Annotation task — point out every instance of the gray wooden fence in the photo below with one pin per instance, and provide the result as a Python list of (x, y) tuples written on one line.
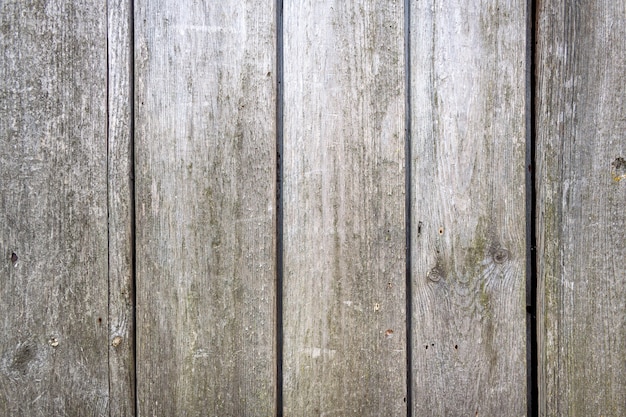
[(316, 208)]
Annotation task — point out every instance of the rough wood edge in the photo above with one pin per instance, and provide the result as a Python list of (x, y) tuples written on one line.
[(120, 206)]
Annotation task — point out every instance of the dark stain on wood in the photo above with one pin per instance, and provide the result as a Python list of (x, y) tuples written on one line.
[(24, 355)]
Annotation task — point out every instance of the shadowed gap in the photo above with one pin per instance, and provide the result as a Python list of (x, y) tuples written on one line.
[(279, 207), (531, 237)]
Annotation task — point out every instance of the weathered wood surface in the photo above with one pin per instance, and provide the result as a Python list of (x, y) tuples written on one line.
[(468, 216), (205, 207), (581, 183), (120, 200), (204, 103), (53, 209), (344, 232)]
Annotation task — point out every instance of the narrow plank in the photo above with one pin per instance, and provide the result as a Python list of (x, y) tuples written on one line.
[(581, 185), (120, 201), (53, 209), (205, 207), (344, 233), (468, 216)]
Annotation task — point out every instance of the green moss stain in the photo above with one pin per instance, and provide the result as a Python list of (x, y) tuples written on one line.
[(475, 255), (484, 298)]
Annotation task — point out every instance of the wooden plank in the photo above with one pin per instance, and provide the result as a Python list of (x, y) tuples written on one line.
[(53, 209), (344, 228), (120, 200), (581, 184), (205, 207), (468, 216)]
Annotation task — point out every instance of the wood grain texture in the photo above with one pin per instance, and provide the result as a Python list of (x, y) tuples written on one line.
[(53, 209), (468, 216), (205, 207), (120, 200), (581, 184), (344, 229)]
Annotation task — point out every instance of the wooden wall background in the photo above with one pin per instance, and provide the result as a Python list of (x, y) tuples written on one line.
[(312, 208)]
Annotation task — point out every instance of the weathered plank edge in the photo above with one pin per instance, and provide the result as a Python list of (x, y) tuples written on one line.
[(408, 175), (120, 207)]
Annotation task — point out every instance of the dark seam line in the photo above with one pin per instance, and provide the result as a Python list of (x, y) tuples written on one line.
[(407, 208), (531, 215), (279, 207), (133, 198)]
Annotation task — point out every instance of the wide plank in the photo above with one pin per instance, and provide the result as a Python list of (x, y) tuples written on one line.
[(343, 199), (53, 209), (205, 207), (581, 200), (468, 207)]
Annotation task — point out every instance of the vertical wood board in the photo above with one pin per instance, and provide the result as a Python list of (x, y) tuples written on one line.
[(581, 185), (120, 200), (344, 227), (205, 207), (468, 217), (53, 209)]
